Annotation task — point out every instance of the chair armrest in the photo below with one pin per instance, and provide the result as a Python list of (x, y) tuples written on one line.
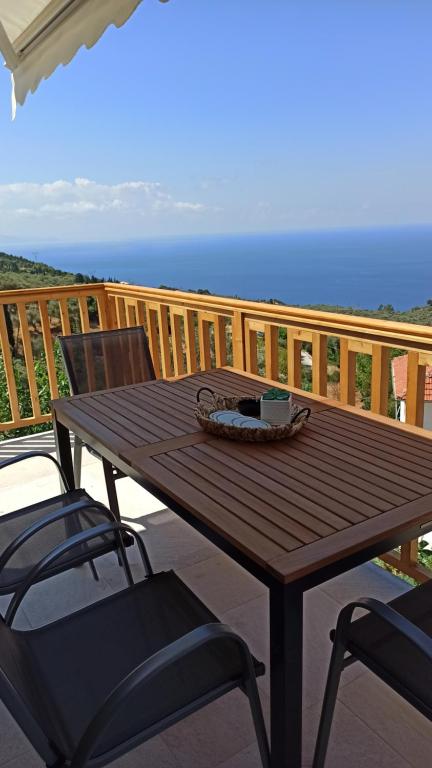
[(74, 541), (401, 624), (149, 669), (32, 455), (47, 519)]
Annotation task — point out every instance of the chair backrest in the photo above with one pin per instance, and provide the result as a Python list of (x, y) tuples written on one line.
[(106, 359)]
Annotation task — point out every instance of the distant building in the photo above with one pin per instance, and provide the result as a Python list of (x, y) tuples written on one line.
[(399, 380)]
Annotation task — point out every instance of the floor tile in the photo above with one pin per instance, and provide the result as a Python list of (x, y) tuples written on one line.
[(368, 580), (213, 734), (221, 583), (352, 743), (249, 757), (393, 719), (13, 743), (153, 754), (173, 543), (28, 759)]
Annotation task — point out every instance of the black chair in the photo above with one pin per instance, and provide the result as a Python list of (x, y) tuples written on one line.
[(105, 360), (29, 533), (90, 687), (394, 641)]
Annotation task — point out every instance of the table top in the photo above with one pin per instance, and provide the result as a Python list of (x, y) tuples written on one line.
[(343, 483)]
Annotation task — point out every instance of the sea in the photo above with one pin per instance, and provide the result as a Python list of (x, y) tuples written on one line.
[(357, 268)]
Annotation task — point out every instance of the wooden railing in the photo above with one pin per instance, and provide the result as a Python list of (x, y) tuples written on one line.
[(189, 332)]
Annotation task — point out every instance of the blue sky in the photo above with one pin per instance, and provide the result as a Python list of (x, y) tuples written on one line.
[(222, 116)]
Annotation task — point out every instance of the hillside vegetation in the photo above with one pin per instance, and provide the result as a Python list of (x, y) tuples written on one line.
[(18, 272)]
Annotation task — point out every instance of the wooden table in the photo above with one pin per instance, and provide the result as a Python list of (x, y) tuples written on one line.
[(293, 513)]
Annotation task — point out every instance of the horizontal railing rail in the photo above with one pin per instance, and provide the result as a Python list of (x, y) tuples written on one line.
[(343, 357)]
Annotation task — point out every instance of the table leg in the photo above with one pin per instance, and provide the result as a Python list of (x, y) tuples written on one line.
[(286, 675), (64, 452)]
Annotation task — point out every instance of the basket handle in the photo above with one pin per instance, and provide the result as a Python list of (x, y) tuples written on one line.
[(297, 416), (204, 389)]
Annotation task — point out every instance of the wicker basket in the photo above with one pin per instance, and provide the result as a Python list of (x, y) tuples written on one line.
[(246, 434)]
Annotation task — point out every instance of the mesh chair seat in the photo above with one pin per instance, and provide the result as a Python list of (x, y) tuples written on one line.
[(389, 654), (40, 544), (65, 671)]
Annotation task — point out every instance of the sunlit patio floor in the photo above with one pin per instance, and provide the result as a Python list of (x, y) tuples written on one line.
[(373, 727)]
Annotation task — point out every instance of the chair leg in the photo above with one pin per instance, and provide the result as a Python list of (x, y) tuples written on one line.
[(328, 707), (114, 507), (77, 461), (111, 490), (93, 570), (251, 689)]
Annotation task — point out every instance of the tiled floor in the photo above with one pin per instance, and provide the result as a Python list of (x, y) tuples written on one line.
[(373, 727)]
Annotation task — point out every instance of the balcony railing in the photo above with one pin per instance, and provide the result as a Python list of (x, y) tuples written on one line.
[(189, 332)]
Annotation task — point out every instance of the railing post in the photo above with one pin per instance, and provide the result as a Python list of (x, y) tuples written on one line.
[(271, 340), (380, 379), (238, 345), (190, 342), (83, 313), (409, 554), (204, 343), (319, 364), (416, 378), (293, 359), (103, 310), (220, 341), (64, 315), (152, 331), (29, 360), (347, 375), (8, 366), (177, 345), (164, 341), (251, 349), (120, 312), (48, 346)]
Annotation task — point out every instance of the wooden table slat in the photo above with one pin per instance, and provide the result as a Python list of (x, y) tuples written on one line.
[(131, 404), (321, 474), (85, 422), (123, 425), (340, 467), (384, 432), (376, 467), (319, 487), (400, 454), (267, 521), (298, 564), (239, 531), (296, 521), (287, 493)]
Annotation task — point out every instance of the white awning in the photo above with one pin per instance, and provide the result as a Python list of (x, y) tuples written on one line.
[(38, 35)]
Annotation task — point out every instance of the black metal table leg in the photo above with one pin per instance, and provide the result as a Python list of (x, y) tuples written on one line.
[(286, 675), (64, 452)]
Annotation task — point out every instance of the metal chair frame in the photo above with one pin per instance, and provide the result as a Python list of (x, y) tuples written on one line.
[(135, 681), (66, 513), (111, 473), (341, 645)]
